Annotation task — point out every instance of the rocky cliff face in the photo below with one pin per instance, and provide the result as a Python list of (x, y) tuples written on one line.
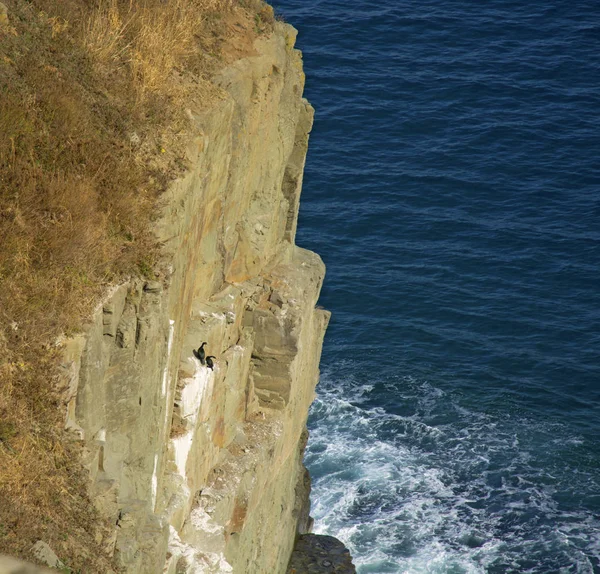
[(201, 470)]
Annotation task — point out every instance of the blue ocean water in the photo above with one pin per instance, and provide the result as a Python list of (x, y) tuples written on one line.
[(453, 189)]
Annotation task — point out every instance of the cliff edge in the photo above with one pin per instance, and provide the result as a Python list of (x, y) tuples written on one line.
[(156, 148), (201, 470)]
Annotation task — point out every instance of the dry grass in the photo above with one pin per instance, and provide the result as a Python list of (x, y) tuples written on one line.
[(77, 195), (151, 38), (104, 34), (164, 36)]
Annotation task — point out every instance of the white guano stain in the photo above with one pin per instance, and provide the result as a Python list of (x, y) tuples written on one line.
[(198, 562), (195, 391), (169, 346), (166, 380), (154, 481), (204, 522), (193, 395), (182, 446)]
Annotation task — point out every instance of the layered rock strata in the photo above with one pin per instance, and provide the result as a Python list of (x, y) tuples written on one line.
[(201, 470)]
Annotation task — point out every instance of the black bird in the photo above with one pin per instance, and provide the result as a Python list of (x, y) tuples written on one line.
[(209, 362), (200, 354)]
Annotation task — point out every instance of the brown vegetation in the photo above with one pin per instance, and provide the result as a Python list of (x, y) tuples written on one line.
[(91, 131)]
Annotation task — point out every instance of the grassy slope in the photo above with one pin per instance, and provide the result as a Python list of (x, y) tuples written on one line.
[(91, 131)]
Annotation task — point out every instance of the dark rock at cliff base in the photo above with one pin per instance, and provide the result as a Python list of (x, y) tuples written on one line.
[(317, 554)]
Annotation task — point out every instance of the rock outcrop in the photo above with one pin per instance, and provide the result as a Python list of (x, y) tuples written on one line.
[(318, 554), (201, 470)]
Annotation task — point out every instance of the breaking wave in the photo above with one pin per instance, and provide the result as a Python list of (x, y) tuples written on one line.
[(447, 489)]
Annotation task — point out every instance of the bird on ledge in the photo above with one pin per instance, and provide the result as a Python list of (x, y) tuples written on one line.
[(200, 354), (209, 362)]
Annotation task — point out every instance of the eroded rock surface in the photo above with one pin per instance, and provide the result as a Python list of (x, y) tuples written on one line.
[(201, 470)]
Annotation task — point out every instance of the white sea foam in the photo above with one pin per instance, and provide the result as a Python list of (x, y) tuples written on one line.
[(407, 495)]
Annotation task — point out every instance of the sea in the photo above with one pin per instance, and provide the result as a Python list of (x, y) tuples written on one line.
[(452, 187)]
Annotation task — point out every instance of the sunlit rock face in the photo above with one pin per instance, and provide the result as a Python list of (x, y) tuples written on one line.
[(199, 469)]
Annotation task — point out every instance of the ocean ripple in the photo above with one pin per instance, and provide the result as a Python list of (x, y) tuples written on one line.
[(452, 187)]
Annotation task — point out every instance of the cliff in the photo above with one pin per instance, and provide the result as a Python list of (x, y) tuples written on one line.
[(201, 470)]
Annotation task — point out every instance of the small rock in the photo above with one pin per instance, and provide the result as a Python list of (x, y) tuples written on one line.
[(320, 554), (134, 139), (42, 552)]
